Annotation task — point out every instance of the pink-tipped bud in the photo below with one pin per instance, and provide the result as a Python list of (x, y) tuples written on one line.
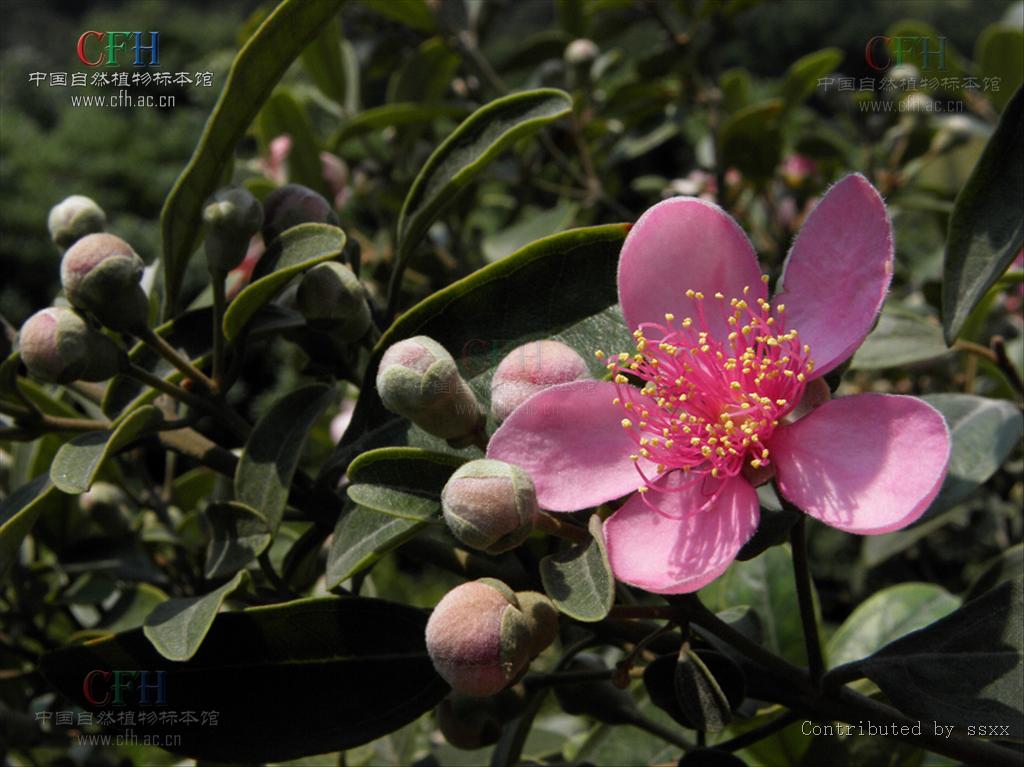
[(529, 369), (100, 274), (332, 299), (291, 205), (232, 216), (57, 345), (418, 379), (490, 505), (478, 639), (73, 218)]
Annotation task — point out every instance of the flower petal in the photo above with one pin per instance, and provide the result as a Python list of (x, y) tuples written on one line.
[(684, 244), (838, 271), (870, 463), (570, 440), (680, 550)]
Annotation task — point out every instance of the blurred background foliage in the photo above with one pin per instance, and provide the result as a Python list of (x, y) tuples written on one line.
[(718, 98)]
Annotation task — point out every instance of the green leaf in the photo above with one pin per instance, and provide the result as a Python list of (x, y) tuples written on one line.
[(900, 338), (802, 76), (1005, 567), (467, 151), (1000, 54), (132, 607), (965, 669), (579, 580), (11, 397), (532, 225), (18, 513), (271, 455), (986, 230), (78, 462), (282, 113), (395, 503), (701, 699), (289, 681), (888, 615), (426, 75), (296, 250), (388, 115), (412, 13), (397, 491), (325, 63), (408, 468), (461, 317), (984, 432), (766, 584), (238, 534), (257, 68), (736, 88), (361, 537), (751, 139), (177, 627)]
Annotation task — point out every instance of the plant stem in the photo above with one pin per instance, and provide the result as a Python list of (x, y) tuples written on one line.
[(758, 733), (225, 415), (802, 573), (219, 302), (537, 681), (169, 353), (644, 612), (268, 570), (554, 526)]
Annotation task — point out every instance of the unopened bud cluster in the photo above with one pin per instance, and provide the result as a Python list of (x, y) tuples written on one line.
[(482, 636), (73, 218), (232, 216), (291, 205), (332, 299), (58, 346), (418, 379)]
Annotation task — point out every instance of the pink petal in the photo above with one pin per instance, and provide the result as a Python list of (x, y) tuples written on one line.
[(570, 440), (838, 272), (870, 463), (684, 244), (686, 549)]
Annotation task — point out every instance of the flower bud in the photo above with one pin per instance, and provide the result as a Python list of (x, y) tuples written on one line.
[(469, 723), (291, 205), (418, 379), (332, 299), (73, 218), (58, 346), (101, 274), (232, 216), (581, 51), (542, 617), (489, 505), (529, 369), (478, 639)]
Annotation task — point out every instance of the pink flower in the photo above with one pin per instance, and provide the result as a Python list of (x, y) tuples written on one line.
[(724, 392)]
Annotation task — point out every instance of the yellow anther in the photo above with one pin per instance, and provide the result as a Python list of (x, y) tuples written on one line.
[(764, 278), (714, 472), (687, 321), (736, 385), (780, 308), (764, 453), (643, 489), (645, 452), (626, 423), (700, 296), (781, 402), (690, 294), (719, 296), (669, 317), (599, 354), (616, 401), (621, 379), (756, 463)]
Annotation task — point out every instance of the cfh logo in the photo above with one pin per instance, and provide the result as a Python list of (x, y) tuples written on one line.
[(927, 53), (119, 688), (96, 49)]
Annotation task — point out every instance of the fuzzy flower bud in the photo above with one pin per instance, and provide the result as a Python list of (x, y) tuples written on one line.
[(100, 274), (73, 218), (331, 298), (232, 217), (478, 639), (489, 505), (291, 205), (418, 379), (529, 369), (58, 346), (469, 722)]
